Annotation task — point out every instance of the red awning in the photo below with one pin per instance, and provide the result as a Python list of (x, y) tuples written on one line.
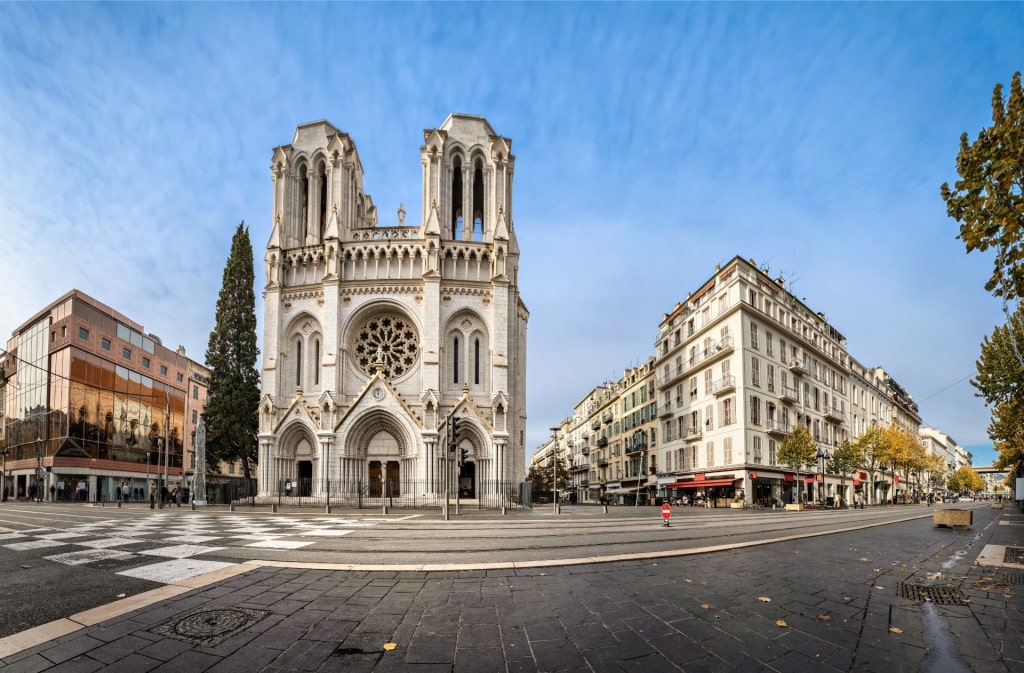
[(702, 484)]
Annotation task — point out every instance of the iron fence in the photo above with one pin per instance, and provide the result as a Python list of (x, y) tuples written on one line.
[(379, 493)]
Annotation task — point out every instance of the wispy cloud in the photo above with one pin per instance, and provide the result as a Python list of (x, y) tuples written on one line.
[(653, 141)]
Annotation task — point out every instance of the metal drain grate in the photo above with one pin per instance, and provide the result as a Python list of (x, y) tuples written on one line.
[(935, 594), (209, 627), (1013, 578), (1014, 555)]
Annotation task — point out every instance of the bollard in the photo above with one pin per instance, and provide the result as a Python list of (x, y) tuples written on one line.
[(385, 509), (231, 507), (273, 508), (193, 506), (605, 508), (119, 504), (503, 510), (328, 509)]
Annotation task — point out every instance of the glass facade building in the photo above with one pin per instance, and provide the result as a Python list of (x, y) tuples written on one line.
[(94, 408)]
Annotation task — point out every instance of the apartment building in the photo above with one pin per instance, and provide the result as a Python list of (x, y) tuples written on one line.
[(740, 363), (95, 408)]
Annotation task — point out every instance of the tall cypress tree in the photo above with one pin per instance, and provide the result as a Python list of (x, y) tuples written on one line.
[(232, 411)]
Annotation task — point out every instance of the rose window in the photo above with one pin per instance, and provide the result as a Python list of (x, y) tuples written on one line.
[(390, 340)]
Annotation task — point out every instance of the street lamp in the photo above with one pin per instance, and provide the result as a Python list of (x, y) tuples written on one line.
[(554, 479), (823, 455), (39, 468)]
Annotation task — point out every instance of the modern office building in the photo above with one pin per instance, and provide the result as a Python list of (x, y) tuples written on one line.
[(375, 337), (94, 407)]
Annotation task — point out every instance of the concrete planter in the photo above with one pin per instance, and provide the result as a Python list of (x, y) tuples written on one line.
[(738, 505), (997, 505), (953, 518), (794, 507)]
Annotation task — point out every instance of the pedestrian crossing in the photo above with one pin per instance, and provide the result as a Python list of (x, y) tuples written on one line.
[(166, 548)]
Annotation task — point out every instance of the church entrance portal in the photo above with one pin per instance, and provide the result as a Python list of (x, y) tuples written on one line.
[(467, 481), (305, 478), (385, 479)]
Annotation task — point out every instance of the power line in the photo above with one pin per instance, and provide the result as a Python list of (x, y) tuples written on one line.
[(957, 382)]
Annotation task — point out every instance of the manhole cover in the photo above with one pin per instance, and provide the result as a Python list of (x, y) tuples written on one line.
[(1014, 555), (209, 626), (936, 594)]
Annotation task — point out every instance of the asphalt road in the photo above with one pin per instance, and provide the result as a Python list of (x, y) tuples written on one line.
[(876, 590)]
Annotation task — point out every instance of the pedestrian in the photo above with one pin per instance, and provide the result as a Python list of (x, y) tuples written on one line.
[(53, 490), (177, 495)]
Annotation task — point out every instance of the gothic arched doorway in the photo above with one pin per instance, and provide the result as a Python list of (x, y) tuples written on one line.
[(385, 479), (467, 480)]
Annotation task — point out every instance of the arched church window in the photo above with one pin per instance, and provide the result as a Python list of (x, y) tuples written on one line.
[(322, 175), (476, 361), (389, 340), (298, 362), (455, 361), (457, 196), (304, 218), (316, 362)]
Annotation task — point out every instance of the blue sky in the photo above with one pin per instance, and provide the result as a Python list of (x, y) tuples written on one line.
[(652, 142)]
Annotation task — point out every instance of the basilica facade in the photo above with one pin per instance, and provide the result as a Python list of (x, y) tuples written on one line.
[(376, 338)]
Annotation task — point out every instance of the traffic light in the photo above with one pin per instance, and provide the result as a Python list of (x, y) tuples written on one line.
[(463, 456)]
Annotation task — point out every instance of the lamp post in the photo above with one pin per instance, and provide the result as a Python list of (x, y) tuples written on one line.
[(39, 469), (554, 477), (3, 455), (823, 455)]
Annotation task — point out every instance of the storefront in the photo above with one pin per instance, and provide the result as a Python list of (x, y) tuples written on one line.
[(718, 491)]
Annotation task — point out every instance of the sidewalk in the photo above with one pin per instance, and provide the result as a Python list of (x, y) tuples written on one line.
[(899, 597)]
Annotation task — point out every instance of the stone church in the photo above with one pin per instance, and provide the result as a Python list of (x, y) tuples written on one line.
[(377, 337)]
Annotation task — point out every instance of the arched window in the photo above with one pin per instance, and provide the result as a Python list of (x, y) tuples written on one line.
[(304, 216), (476, 361), (457, 219), (298, 362), (316, 362), (455, 362), (322, 176)]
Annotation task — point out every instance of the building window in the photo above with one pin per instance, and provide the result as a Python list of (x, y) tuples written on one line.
[(195, 416), (755, 372), (195, 392), (754, 342), (476, 361), (105, 344), (710, 454), (163, 370), (64, 331), (455, 363), (727, 446), (757, 449), (145, 362), (180, 377), (126, 354), (771, 451), (755, 410), (83, 334)]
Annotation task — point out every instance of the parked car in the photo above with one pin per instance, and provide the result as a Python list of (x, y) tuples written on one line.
[(966, 498)]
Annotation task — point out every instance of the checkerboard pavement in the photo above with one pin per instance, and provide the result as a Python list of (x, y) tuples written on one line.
[(165, 548)]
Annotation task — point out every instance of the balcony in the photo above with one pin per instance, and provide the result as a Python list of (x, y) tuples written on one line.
[(719, 349), (724, 385), (596, 425), (606, 418), (796, 366), (834, 413), (666, 408), (585, 450), (789, 395), (580, 467), (602, 442), (778, 428), (692, 433), (601, 462), (639, 448), (584, 482)]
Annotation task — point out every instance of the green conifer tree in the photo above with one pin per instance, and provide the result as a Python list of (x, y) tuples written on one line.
[(232, 411)]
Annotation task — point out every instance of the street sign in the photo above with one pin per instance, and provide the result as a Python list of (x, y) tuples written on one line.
[(666, 511)]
